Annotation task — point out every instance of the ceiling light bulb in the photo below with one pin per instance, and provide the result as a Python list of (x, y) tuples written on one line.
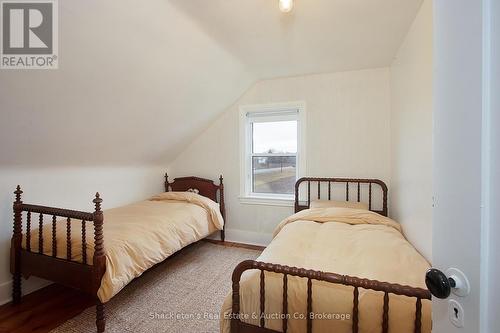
[(286, 5)]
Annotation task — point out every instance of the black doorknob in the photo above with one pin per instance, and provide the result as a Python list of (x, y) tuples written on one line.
[(438, 283)]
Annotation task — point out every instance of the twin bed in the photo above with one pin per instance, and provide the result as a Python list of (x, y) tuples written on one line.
[(291, 287), (271, 294), (126, 241)]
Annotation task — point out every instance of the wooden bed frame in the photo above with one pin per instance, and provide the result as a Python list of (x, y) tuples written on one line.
[(238, 326), (79, 275)]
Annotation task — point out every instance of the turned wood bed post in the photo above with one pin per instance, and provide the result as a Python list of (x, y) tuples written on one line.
[(166, 182), (99, 260), (16, 248), (222, 208), (385, 190), (296, 206), (235, 308)]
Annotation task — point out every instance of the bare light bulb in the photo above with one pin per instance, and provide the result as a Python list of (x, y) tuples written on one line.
[(286, 5)]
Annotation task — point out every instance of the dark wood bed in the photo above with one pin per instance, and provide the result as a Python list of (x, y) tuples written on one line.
[(79, 275), (303, 202)]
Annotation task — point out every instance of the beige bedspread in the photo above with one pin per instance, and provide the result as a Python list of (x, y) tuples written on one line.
[(345, 241), (139, 235)]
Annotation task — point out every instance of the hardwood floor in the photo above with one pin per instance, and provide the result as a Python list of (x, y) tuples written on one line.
[(49, 307), (43, 310)]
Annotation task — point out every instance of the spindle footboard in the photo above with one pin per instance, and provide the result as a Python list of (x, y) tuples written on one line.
[(26, 261), (238, 326)]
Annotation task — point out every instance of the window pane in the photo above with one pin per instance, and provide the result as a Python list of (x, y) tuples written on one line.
[(275, 137), (274, 174)]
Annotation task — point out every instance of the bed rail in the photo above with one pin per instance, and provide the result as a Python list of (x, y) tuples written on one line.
[(237, 326), (29, 261)]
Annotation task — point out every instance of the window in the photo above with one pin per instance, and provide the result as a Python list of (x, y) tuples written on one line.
[(271, 151)]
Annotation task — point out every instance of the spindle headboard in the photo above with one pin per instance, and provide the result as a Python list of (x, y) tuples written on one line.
[(371, 184)]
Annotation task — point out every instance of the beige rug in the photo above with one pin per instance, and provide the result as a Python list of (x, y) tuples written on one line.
[(192, 284)]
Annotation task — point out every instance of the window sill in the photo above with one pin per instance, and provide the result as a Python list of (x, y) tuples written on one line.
[(266, 201)]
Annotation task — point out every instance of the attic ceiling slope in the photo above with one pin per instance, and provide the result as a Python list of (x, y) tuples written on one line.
[(317, 36), (134, 83)]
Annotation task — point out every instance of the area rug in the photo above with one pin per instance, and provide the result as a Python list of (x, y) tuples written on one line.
[(183, 294)]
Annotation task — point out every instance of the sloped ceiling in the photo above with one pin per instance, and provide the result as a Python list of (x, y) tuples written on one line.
[(138, 80), (317, 36)]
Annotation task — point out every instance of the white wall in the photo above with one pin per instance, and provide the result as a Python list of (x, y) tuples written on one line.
[(348, 134), (72, 188), (493, 288), (411, 130), (457, 155)]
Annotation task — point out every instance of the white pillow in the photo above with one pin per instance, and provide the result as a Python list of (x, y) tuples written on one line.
[(340, 204)]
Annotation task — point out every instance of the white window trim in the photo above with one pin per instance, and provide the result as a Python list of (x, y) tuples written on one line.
[(246, 197)]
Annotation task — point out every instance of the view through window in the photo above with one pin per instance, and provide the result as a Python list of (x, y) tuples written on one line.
[(273, 156)]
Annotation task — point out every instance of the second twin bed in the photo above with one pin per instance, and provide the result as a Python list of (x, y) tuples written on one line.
[(322, 270)]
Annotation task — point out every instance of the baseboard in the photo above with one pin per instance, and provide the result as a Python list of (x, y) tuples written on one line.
[(28, 286), (5, 292), (245, 237), (248, 237)]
